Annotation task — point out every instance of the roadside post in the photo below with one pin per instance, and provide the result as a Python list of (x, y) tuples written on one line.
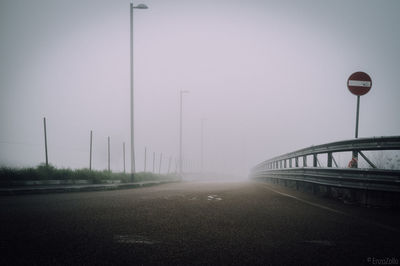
[(359, 83)]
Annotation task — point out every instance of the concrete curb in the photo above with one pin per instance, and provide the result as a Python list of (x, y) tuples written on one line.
[(79, 188)]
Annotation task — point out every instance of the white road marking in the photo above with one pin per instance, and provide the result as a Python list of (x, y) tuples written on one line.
[(305, 201), (334, 210), (213, 197), (133, 239)]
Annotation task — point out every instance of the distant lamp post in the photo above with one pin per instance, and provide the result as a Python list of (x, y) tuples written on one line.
[(140, 6), (202, 145), (180, 132)]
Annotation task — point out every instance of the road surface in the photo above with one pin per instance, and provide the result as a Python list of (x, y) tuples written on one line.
[(194, 223)]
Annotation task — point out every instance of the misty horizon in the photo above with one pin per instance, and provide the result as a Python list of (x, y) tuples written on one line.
[(267, 78)]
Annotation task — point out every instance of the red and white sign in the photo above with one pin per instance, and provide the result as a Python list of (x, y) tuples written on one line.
[(359, 83)]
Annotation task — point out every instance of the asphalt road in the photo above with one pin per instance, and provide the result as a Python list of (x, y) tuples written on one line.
[(194, 223)]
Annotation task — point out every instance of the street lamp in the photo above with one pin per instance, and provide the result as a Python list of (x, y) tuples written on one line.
[(180, 132), (140, 6), (202, 145)]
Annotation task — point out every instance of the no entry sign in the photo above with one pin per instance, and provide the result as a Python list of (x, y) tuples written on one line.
[(359, 83)]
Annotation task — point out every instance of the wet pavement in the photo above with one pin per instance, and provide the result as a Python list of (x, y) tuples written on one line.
[(194, 223)]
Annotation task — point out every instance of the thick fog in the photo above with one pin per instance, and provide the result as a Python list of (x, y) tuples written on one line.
[(265, 77)]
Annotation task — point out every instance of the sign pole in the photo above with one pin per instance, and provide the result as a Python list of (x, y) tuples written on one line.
[(359, 83), (355, 153), (358, 114)]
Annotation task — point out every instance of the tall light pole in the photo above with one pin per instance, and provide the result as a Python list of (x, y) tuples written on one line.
[(123, 155), (140, 6), (202, 145), (180, 131)]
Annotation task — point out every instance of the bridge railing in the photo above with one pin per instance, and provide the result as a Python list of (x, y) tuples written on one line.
[(299, 158), (366, 185)]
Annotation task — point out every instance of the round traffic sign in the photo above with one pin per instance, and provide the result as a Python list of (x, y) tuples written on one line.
[(359, 83)]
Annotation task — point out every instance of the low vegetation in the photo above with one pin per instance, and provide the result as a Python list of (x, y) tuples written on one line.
[(43, 172)]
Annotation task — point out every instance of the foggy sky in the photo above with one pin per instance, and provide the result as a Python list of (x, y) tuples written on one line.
[(268, 77)]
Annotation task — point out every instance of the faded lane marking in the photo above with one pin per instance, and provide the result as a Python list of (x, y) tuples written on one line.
[(306, 201), (214, 197), (333, 210), (133, 239)]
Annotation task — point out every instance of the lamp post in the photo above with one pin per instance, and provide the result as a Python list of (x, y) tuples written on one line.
[(140, 6), (202, 145), (180, 132)]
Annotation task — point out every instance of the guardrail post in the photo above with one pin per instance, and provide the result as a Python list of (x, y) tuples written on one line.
[(290, 162), (314, 188), (355, 159), (305, 161), (296, 161), (280, 164), (329, 163), (284, 163), (315, 160)]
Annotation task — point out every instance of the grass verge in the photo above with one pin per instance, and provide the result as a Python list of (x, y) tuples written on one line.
[(9, 175)]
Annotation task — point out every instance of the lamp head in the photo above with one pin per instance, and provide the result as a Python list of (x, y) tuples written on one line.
[(141, 6)]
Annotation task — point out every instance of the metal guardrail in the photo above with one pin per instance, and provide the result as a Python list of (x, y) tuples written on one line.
[(282, 167), (370, 179), (363, 144)]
